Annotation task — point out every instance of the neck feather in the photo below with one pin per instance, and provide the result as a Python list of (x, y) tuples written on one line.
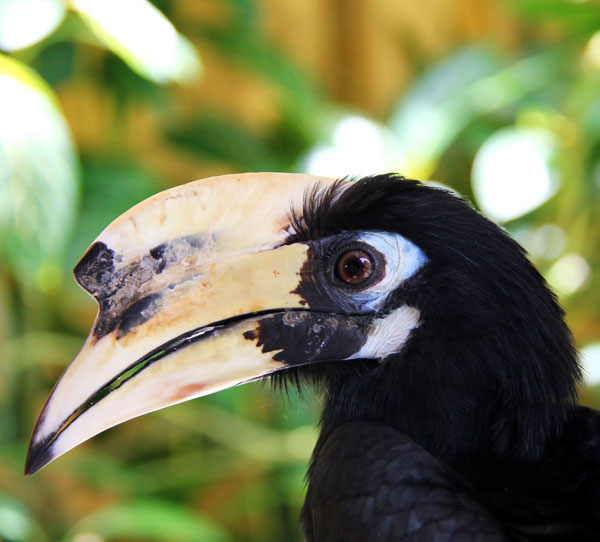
[(500, 384)]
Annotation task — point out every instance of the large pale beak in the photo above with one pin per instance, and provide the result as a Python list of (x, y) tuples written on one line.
[(186, 282)]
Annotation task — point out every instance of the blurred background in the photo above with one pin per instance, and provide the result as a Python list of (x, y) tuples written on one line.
[(103, 103)]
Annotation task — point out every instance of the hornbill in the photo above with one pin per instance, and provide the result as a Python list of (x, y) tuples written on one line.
[(449, 375)]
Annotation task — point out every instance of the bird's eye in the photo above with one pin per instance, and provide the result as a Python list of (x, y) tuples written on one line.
[(354, 267)]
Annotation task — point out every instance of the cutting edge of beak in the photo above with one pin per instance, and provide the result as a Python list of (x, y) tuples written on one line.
[(202, 362), (184, 289)]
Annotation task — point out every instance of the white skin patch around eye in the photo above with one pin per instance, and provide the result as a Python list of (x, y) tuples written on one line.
[(403, 259), (389, 334)]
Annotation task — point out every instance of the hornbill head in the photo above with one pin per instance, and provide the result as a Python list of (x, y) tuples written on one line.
[(414, 309)]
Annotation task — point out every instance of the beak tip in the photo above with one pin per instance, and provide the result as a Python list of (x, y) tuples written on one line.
[(38, 456)]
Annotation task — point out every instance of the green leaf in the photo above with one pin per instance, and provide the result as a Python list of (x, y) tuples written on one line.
[(38, 176), (149, 520), (561, 11), (143, 37), (39, 348), (16, 521), (129, 87), (436, 108), (468, 85), (25, 22), (220, 138), (254, 440), (55, 62), (244, 15), (302, 100)]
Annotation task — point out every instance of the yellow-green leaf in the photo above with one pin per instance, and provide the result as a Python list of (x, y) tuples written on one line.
[(143, 37)]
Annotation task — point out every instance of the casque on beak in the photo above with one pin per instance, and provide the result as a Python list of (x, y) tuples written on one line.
[(184, 281)]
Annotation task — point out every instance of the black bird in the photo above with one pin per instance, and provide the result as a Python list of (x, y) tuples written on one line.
[(450, 376)]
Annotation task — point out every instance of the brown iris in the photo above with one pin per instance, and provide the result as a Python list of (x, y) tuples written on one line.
[(354, 267)]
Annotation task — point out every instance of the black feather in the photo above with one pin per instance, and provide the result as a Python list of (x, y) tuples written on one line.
[(483, 393), (371, 482), (492, 367)]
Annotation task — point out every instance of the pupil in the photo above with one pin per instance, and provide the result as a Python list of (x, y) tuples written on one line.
[(354, 267)]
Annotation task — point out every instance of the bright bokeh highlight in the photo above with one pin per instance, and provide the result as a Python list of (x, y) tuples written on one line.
[(590, 361), (546, 242), (513, 174), (591, 54), (143, 37), (358, 146), (19, 29), (38, 174), (569, 274)]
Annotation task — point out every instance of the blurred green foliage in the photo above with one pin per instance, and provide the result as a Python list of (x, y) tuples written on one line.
[(232, 466)]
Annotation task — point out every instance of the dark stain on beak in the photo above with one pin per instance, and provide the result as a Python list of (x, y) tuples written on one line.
[(169, 253), (136, 314), (127, 294), (95, 268), (305, 336)]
